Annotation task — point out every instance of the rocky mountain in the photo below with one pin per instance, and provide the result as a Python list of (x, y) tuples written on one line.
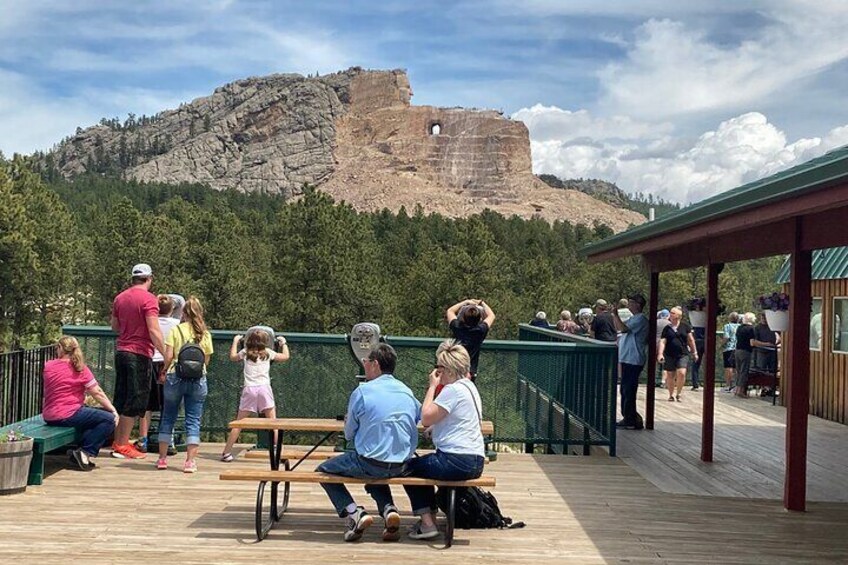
[(353, 134)]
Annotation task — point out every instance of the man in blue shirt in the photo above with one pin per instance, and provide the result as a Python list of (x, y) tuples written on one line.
[(631, 356), (382, 421)]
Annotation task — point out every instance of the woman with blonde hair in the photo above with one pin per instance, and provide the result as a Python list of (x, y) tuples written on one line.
[(66, 382), (180, 388), (454, 418)]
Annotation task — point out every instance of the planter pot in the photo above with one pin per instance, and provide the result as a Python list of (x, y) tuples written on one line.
[(15, 457), (698, 318), (778, 320)]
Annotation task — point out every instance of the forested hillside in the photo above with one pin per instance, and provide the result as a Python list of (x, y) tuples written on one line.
[(313, 265)]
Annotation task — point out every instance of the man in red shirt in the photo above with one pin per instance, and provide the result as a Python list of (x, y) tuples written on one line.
[(135, 316)]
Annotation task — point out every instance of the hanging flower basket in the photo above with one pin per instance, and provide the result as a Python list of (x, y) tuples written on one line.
[(698, 318), (778, 320), (15, 457)]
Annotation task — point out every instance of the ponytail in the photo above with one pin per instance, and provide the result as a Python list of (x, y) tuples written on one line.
[(70, 347)]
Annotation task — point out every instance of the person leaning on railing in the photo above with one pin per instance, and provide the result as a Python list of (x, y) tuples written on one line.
[(178, 390), (455, 418), (66, 382)]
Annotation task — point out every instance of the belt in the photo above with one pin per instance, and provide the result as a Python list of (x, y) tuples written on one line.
[(382, 464)]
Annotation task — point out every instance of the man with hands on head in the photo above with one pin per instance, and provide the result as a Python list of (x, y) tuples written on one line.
[(470, 321)]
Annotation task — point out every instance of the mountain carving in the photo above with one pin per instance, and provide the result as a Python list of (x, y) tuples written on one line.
[(354, 134)]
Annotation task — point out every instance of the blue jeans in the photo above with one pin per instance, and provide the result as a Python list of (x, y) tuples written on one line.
[(351, 464), (441, 466), (96, 426), (178, 390), (629, 386)]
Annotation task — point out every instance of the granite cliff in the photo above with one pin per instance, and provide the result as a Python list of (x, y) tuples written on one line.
[(353, 134)]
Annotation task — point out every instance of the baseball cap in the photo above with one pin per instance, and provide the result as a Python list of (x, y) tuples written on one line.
[(600, 303), (142, 270), (664, 313), (637, 297)]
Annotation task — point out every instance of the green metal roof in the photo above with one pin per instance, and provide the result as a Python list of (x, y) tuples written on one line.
[(831, 263), (803, 178)]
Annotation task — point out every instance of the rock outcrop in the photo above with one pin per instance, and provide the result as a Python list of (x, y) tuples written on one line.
[(354, 134)]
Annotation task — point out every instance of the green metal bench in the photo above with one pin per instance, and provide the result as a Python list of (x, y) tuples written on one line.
[(45, 439)]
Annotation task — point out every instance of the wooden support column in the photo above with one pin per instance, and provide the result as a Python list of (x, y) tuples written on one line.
[(653, 306), (798, 356), (708, 364)]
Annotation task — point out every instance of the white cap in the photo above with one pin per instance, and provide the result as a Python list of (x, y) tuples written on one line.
[(142, 270)]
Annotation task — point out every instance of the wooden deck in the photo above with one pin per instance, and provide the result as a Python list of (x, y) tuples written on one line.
[(577, 509), (749, 450)]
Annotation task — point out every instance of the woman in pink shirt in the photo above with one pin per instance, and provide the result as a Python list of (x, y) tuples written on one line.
[(66, 382)]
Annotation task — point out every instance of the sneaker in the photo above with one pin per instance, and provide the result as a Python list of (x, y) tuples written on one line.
[(392, 518), (696, 388), (227, 457), (418, 531), (678, 398), (162, 464), (172, 449), (141, 444), (357, 523), (190, 466), (626, 425), (126, 452)]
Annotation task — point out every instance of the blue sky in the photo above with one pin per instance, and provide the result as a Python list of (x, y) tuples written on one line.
[(678, 98)]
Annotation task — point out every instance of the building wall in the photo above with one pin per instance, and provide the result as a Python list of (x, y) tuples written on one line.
[(828, 370)]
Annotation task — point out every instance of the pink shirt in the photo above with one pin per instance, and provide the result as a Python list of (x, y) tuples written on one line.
[(64, 389), (132, 308)]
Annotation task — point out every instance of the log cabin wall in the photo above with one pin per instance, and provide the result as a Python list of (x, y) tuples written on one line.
[(828, 370)]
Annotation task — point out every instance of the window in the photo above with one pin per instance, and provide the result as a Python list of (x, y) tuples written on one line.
[(840, 324), (435, 129), (816, 325)]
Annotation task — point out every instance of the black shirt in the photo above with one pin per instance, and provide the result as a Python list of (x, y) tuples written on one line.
[(676, 342), (604, 327), (470, 338), (763, 333), (744, 335)]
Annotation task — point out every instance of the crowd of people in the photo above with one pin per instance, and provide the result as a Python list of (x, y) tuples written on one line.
[(161, 365), (679, 346)]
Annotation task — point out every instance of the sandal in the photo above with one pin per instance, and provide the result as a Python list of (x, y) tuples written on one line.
[(227, 457), (671, 399)]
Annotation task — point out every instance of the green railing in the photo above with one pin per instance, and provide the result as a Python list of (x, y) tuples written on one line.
[(572, 396), (319, 378)]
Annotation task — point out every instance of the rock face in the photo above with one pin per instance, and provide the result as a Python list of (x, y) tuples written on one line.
[(354, 134)]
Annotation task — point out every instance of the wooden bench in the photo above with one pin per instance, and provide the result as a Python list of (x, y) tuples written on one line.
[(45, 439), (288, 477)]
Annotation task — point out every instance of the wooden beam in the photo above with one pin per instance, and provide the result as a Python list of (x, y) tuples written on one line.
[(797, 407), (708, 415), (755, 217), (653, 306)]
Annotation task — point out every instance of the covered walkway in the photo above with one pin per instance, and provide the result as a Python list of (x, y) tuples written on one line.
[(749, 455)]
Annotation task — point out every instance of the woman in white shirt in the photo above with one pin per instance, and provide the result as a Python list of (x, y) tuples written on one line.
[(454, 419)]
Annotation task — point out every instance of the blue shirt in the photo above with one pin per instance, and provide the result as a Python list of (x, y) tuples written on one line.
[(382, 420), (631, 349), (730, 335)]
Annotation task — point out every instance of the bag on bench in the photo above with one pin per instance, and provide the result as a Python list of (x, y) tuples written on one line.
[(476, 508)]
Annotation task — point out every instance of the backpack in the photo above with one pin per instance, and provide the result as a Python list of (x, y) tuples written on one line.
[(191, 360), (476, 508)]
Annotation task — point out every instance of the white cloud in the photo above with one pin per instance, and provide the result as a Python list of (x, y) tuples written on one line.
[(672, 69), (31, 119), (640, 158)]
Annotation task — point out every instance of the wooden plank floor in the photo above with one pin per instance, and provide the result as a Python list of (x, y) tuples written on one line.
[(749, 449), (577, 510)]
